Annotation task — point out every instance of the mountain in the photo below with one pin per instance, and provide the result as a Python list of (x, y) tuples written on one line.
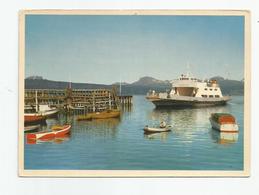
[(142, 86), (230, 87), (49, 84), (35, 77), (120, 83), (147, 81)]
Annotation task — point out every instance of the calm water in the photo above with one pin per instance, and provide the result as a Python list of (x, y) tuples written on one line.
[(121, 143)]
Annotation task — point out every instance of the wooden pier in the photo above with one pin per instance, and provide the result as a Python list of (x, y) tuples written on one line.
[(125, 99), (86, 100)]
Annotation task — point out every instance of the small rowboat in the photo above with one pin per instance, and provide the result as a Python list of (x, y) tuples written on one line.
[(57, 131), (157, 129), (31, 128), (223, 122)]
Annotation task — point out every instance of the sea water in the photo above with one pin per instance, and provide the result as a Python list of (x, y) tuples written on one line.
[(120, 144)]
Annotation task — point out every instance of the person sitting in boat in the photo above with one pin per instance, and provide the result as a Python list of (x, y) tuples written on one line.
[(162, 124)]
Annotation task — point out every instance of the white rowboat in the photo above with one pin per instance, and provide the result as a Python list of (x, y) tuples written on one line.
[(157, 129)]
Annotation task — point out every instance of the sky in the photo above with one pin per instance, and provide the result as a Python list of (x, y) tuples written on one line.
[(108, 49)]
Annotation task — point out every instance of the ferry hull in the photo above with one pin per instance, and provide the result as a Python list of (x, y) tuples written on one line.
[(188, 103)]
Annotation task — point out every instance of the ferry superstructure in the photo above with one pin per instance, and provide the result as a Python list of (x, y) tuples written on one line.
[(188, 91)]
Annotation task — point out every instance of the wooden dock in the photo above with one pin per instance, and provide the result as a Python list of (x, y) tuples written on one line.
[(88, 100), (125, 99)]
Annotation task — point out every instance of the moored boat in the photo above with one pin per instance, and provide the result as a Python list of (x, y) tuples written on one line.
[(47, 111), (223, 122), (33, 118), (113, 113), (57, 131), (38, 114)]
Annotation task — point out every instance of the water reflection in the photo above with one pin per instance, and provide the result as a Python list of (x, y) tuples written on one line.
[(119, 144), (186, 122), (98, 128), (224, 137), (126, 108), (185, 117), (58, 140), (161, 136)]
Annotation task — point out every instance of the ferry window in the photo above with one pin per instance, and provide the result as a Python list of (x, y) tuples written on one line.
[(204, 96), (211, 96), (215, 89), (206, 89), (210, 89), (217, 96)]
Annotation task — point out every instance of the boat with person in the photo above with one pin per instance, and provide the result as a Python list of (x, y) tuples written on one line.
[(55, 132), (224, 122), (163, 127), (188, 91)]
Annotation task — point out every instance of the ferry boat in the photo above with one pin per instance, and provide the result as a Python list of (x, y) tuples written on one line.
[(188, 91)]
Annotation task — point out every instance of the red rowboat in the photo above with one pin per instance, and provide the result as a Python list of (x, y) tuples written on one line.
[(57, 131), (56, 140)]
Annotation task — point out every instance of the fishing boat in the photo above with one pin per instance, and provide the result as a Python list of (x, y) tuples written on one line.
[(223, 122), (32, 114), (33, 118), (38, 112), (56, 131), (31, 128), (113, 113), (188, 91), (47, 111)]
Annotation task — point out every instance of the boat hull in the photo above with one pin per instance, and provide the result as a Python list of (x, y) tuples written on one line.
[(46, 135), (100, 115), (156, 130), (226, 127), (33, 118), (189, 102)]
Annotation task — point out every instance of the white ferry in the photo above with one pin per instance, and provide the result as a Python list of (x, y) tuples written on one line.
[(189, 92)]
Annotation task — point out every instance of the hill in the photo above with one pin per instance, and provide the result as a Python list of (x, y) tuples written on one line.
[(142, 86)]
